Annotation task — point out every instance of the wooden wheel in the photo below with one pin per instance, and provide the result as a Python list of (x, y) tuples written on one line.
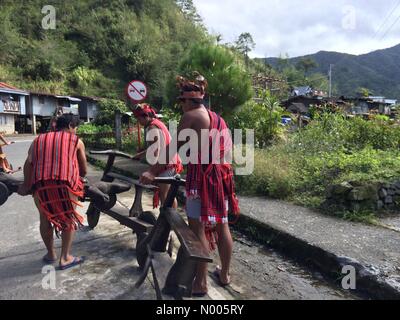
[(93, 216), (148, 217), (141, 249), (4, 193)]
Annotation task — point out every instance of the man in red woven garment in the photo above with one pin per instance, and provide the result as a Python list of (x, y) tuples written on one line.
[(209, 182), (53, 172)]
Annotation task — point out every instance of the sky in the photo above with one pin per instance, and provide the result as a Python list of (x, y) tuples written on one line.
[(297, 27)]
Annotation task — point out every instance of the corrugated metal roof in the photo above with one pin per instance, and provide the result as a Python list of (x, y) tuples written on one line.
[(74, 99), (69, 98), (5, 87)]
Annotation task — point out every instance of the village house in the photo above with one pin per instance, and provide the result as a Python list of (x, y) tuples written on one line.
[(12, 109), (307, 91), (32, 112), (43, 107), (302, 92), (302, 104), (88, 108), (371, 104)]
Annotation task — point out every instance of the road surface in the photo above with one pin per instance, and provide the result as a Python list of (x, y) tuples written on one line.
[(110, 271)]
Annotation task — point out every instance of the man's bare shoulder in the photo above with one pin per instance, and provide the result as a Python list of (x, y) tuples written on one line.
[(81, 144), (198, 118)]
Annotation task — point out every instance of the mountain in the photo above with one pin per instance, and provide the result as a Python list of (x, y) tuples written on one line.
[(378, 71), (96, 47)]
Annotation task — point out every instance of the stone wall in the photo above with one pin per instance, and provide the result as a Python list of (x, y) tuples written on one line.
[(353, 196)]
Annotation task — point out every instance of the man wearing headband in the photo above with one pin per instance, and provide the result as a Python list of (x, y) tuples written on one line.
[(147, 118), (209, 185)]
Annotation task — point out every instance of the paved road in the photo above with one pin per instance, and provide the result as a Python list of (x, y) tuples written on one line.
[(111, 270)]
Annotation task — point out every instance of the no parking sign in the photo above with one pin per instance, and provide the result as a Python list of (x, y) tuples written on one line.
[(136, 91)]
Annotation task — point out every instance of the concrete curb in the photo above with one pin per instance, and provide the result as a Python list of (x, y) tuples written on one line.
[(368, 282)]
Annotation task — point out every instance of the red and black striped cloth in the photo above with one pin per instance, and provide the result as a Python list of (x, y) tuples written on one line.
[(213, 181), (54, 158), (56, 180), (175, 163), (57, 202)]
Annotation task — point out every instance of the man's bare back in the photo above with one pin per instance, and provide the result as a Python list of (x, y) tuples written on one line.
[(196, 119)]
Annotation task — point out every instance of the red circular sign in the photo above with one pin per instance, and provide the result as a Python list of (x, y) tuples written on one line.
[(136, 91)]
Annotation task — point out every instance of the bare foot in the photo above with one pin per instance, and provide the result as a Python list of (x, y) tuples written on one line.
[(50, 257), (64, 261), (199, 289)]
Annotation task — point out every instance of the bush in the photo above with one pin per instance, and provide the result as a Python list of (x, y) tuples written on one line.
[(170, 115), (107, 108), (91, 128), (103, 137), (331, 150), (264, 117)]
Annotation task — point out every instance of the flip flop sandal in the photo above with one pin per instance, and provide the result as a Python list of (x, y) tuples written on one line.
[(199, 294), (217, 275), (77, 261)]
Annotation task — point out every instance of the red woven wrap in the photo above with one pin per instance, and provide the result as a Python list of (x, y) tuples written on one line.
[(213, 183), (56, 204), (174, 164)]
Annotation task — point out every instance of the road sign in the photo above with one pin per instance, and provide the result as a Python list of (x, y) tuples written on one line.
[(136, 91)]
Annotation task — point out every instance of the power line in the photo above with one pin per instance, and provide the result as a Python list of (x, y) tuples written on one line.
[(316, 78), (387, 31), (386, 19)]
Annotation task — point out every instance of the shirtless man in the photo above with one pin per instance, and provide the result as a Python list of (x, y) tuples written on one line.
[(209, 186)]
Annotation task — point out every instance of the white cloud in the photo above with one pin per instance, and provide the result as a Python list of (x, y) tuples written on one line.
[(303, 27)]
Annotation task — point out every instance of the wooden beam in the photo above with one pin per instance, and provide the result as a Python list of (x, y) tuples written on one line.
[(190, 243)]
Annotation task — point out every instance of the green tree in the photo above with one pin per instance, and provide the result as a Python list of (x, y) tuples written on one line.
[(189, 10), (317, 81), (283, 62), (306, 64), (229, 83), (364, 92), (245, 44)]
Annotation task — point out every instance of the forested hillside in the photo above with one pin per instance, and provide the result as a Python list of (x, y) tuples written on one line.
[(378, 71), (97, 46)]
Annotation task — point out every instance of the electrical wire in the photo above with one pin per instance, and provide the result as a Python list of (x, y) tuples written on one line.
[(387, 18)]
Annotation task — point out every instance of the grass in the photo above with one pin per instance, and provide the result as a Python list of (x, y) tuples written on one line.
[(329, 151)]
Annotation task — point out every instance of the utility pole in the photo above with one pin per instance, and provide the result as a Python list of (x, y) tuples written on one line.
[(330, 80), (118, 130)]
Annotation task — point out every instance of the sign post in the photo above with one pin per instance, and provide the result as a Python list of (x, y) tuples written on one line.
[(118, 130), (137, 92)]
